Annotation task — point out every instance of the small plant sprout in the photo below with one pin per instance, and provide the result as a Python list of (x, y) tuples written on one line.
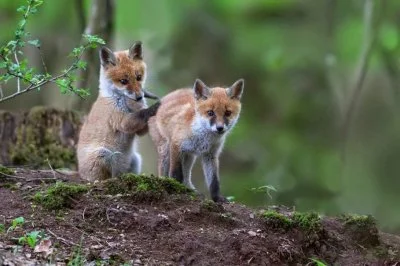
[(317, 262), (2, 228), (19, 221), (32, 238), (264, 190), (231, 198)]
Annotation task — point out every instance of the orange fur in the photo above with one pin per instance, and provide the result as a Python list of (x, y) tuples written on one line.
[(106, 141), (183, 127)]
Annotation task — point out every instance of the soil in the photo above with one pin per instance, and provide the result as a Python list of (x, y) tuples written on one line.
[(172, 229)]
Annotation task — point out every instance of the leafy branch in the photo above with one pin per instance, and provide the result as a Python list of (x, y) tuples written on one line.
[(13, 67)]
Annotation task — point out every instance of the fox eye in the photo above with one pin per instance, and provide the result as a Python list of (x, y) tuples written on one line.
[(139, 77), (210, 113), (123, 81), (228, 113)]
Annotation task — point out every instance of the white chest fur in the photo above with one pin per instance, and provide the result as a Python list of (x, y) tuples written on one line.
[(202, 140)]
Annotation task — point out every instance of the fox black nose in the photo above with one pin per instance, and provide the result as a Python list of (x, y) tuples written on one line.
[(220, 129), (139, 98)]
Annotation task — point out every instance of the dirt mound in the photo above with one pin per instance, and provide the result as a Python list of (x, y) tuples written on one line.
[(140, 220)]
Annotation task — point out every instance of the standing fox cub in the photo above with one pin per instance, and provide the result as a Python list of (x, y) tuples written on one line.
[(106, 145), (193, 123)]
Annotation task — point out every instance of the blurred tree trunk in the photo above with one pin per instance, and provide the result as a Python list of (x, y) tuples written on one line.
[(80, 10), (38, 137), (100, 23), (371, 29)]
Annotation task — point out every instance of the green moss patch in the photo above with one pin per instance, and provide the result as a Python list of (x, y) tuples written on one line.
[(44, 134), (60, 195), (145, 187), (363, 228), (277, 220), (308, 221), (6, 171)]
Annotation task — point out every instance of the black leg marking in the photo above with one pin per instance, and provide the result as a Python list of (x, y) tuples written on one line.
[(177, 173), (215, 190)]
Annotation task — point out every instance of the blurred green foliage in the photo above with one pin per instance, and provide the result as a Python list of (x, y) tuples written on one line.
[(298, 59)]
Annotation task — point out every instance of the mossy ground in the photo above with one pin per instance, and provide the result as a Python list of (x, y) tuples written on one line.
[(38, 139), (361, 221), (276, 219), (6, 170), (60, 195), (105, 227), (308, 221), (146, 186), (362, 227)]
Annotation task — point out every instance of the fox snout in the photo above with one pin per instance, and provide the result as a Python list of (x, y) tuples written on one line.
[(136, 95), (220, 129), (218, 123)]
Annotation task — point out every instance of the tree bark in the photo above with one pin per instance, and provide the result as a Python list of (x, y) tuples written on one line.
[(38, 137), (100, 23)]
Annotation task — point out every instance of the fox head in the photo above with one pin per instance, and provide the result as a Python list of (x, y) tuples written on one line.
[(218, 109), (123, 72)]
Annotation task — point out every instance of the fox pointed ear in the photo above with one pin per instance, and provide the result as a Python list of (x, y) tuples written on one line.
[(136, 51), (107, 57), (201, 91), (236, 90)]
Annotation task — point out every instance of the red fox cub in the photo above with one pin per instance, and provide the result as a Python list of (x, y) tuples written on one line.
[(106, 146), (194, 122)]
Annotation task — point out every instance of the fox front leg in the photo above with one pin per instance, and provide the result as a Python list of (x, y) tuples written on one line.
[(175, 163), (210, 165), (137, 122)]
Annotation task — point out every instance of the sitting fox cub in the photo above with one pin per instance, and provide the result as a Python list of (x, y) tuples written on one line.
[(193, 123), (106, 143)]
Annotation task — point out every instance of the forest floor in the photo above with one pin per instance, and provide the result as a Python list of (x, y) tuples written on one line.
[(49, 217)]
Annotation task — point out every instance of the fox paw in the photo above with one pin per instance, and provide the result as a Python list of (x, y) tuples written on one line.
[(220, 199)]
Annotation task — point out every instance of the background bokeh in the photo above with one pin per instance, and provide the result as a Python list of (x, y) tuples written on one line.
[(301, 61)]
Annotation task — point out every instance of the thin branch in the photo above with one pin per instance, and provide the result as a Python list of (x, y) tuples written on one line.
[(335, 81), (65, 241), (33, 86), (369, 39), (52, 170), (18, 79), (42, 59), (100, 22)]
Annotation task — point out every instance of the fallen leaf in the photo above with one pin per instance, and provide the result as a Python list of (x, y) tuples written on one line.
[(44, 247)]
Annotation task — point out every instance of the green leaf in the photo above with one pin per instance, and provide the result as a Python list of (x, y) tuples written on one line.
[(22, 240), (3, 64), (81, 64), (22, 23), (32, 238), (77, 51), (18, 221), (21, 9), (318, 262), (35, 43), (62, 83), (12, 44), (93, 39), (82, 92)]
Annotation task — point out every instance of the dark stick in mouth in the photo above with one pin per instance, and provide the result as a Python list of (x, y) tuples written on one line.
[(150, 95)]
